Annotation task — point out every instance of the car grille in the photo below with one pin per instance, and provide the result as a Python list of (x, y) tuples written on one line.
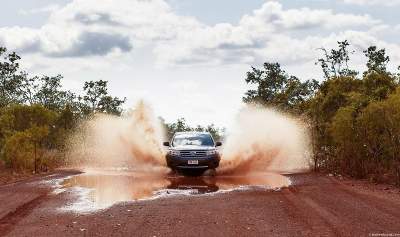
[(193, 154)]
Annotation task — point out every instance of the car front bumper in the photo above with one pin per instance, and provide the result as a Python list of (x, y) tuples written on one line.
[(207, 162)]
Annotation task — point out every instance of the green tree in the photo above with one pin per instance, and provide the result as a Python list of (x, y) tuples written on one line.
[(215, 132), (179, 126), (11, 79), (97, 99), (377, 59), (23, 117), (378, 86), (274, 87), (347, 157), (335, 63), (50, 94), (37, 136), (31, 126), (24, 149), (380, 132), (18, 151), (377, 82)]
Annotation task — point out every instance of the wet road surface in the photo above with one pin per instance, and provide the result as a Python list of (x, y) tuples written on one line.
[(106, 188), (313, 205)]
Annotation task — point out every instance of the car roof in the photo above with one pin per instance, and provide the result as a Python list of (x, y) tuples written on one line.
[(191, 133)]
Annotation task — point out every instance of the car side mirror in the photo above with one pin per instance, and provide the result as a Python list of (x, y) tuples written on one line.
[(166, 143), (218, 144)]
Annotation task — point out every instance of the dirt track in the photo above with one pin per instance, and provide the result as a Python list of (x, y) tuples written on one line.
[(315, 205)]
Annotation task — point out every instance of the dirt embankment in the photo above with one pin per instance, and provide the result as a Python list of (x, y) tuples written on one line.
[(314, 205)]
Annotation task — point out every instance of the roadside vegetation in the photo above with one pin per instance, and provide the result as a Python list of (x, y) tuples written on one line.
[(354, 117), (37, 115)]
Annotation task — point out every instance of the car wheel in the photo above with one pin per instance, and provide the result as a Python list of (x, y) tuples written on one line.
[(210, 172)]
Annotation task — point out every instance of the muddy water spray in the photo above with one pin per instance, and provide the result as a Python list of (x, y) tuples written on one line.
[(263, 139), (260, 140), (132, 140)]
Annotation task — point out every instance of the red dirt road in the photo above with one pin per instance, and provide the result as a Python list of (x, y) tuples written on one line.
[(315, 205)]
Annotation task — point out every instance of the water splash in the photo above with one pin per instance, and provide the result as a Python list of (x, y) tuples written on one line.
[(264, 139), (133, 141)]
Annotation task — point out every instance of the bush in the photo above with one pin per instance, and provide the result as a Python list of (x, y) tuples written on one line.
[(18, 151)]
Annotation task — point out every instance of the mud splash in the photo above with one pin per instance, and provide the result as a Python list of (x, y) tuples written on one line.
[(102, 189), (261, 145), (263, 139), (133, 141)]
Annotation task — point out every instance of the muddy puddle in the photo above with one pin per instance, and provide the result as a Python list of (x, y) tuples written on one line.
[(103, 189)]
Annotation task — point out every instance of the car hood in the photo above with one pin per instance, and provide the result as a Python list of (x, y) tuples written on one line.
[(192, 147)]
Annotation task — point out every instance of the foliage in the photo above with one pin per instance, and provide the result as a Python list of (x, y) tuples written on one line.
[(18, 151), (181, 126), (377, 59), (276, 88), (10, 78), (98, 100), (354, 120), (354, 117), (335, 62), (37, 115)]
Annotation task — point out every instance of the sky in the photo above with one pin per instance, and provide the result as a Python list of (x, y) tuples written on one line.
[(189, 58)]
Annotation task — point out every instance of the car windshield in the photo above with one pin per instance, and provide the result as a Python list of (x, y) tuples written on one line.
[(193, 139)]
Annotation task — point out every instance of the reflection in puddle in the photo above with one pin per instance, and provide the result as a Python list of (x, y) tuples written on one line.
[(105, 188)]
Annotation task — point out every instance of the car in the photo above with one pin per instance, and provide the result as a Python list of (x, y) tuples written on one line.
[(192, 151)]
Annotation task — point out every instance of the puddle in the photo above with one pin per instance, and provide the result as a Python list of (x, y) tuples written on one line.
[(99, 190)]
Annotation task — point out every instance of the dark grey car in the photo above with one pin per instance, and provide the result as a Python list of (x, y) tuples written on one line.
[(192, 151)]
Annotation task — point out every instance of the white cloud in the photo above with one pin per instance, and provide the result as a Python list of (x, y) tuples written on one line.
[(374, 2), (255, 35), (68, 28), (304, 18), (123, 41), (20, 38), (90, 27), (45, 9)]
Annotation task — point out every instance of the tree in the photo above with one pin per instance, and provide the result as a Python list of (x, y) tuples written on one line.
[(335, 62), (24, 130), (274, 87), (181, 126), (377, 82), (36, 137), (97, 99), (10, 78), (378, 86), (342, 129), (377, 60), (23, 150), (51, 96), (215, 132), (66, 118), (23, 117), (17, 151)]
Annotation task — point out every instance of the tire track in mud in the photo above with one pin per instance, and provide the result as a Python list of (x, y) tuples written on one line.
[(314, 218), (10, 220), (384, 206), (335, 209)]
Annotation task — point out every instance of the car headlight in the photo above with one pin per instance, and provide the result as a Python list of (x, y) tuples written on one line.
[(174, 152), (211, 152)]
